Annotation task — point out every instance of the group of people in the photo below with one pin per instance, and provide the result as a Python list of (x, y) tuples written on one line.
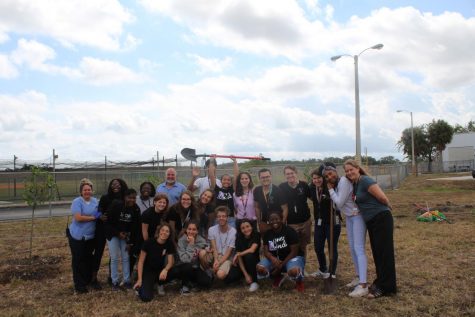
[(234, 231)]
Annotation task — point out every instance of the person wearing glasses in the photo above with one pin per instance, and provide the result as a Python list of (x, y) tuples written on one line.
[(268, 197)]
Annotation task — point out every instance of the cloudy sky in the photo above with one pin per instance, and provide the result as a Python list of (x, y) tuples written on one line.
[(128, 78)]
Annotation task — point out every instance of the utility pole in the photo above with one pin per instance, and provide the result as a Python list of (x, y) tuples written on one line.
[(105, 173), (14, 176)]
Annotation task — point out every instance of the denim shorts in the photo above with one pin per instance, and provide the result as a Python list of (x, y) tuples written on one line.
[(298, 261)]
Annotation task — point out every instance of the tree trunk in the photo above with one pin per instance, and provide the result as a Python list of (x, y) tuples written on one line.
[(31, 230)]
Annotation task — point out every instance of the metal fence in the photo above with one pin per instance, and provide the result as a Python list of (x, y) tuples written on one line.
[(12, 183)]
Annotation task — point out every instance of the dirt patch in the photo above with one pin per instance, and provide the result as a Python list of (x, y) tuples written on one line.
[(39, 268)]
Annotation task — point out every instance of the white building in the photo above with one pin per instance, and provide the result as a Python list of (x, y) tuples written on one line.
[(459, 155)]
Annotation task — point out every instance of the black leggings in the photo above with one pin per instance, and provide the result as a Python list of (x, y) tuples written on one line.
[(250, 263), (380, 230), (99, 245), (322, 234)]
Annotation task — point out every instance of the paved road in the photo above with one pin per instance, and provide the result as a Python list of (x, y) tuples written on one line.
[(7, 214)]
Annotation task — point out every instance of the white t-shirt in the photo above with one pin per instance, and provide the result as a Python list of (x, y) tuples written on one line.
[(203, 183), (223, 240)]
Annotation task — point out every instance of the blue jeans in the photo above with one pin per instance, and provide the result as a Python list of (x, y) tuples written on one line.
[(117, 250), (356, 233), (298, 261)]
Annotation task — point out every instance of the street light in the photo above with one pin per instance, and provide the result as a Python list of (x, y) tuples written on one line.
[(414, 169), (357, 96)]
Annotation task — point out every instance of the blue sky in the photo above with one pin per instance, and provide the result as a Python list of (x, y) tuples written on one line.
[(128, 78)]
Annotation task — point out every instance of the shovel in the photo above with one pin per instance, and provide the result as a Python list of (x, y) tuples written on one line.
[(330, 284), (190, 155)]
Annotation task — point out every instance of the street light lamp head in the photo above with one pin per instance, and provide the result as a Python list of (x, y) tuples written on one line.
[(334, 58), (377, 46)]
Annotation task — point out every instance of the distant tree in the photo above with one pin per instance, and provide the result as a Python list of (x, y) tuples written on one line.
[(388, 160), (470, 127), (440, 134), (422, 149)]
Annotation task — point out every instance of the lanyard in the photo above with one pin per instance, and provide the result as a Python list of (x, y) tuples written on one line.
[(244, 203)]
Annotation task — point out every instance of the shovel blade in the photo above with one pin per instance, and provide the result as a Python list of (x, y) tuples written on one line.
[(189, 154), (330, 286)]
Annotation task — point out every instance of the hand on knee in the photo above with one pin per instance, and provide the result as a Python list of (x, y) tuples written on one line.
[(221, 275), (294, 272), (261, 270)]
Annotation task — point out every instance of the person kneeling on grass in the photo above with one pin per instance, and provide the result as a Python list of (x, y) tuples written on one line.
[(248, 242), (222, 237), (152, 268), (282, 253)]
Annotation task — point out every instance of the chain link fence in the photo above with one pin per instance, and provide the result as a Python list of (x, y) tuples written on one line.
[(12, 183)]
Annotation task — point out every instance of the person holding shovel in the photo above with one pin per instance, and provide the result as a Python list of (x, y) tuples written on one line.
[(376, 211), (341, 190)]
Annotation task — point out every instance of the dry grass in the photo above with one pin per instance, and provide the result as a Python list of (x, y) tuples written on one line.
[(435, 266)]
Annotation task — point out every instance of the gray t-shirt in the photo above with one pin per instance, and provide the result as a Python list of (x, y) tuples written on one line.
[(223, 240), (368, 205)]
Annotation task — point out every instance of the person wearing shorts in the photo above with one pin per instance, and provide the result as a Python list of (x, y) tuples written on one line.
[(282, 253), (296, 193), (222, 237)]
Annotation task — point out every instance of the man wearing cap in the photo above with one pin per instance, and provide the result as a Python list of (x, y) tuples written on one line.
[(171, 187)]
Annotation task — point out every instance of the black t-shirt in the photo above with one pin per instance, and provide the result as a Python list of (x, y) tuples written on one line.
[(179, 222), (278, 243), (122, 218), (273, 201), (296, 199), (155, 219), (242, 244), (156, 254), (321, 204), (224, 197)]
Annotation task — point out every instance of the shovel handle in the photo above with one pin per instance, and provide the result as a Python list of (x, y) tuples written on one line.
[(240, 157)]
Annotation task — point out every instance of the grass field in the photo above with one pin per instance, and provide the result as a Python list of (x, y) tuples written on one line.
[(435, 266)]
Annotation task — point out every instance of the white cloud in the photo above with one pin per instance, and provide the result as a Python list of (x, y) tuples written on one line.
[(105, 72), (7, 69), (211, 65), (94, 71), (96, 23)]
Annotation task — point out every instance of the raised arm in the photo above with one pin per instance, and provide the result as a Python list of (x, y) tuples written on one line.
[(235, 172), (195, 172), (345, 189), (212, 174)]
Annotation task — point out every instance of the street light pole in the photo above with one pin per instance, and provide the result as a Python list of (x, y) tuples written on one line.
[(357, 113), (414, 168), (357, 97)]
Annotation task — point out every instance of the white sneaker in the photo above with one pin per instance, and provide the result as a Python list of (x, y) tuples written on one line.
[(185, 290), (355, 282), (320, 274), (254, 287), (161, 290), (359, 291)]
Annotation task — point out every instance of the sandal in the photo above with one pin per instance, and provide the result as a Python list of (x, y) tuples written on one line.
[(375, 293)]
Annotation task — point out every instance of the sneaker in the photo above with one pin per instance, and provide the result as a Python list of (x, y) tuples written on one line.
[(333, 275), (254, 287), (320, 274), (184, 290), (359, 291), (278, 281), (128, 285), (115, 287), (161, 290), (299, 286), (355, 282)]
